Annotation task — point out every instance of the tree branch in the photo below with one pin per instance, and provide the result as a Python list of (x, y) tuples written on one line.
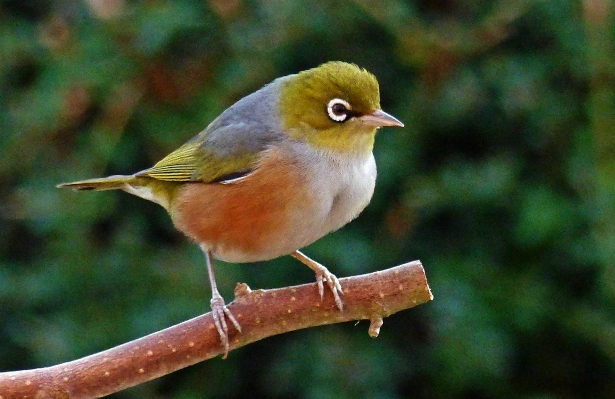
[(261, 313)]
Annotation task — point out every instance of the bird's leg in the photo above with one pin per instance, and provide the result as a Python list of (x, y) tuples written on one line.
[(322, 274), (218, 306)]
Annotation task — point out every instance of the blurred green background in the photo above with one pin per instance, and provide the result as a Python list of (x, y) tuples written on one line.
[(502, 183)]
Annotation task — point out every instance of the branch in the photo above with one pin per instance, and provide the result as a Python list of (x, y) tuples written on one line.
[(261, 313)]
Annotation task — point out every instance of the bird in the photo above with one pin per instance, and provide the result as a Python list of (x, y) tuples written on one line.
[(274, 172)]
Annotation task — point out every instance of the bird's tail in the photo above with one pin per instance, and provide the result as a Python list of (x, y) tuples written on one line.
[(117, 182)]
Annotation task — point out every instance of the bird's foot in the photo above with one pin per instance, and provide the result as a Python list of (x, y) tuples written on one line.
[(323, 274), (219, 310)]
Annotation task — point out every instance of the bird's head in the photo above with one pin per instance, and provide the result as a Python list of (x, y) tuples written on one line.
[(334, 107)]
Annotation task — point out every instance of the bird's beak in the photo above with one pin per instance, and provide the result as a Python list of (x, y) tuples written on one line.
[(379, 118)]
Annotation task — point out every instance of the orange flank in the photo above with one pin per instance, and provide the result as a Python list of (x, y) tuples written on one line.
[(255, 218)]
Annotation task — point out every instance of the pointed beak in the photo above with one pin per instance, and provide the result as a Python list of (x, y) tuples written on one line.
[(379, 118)]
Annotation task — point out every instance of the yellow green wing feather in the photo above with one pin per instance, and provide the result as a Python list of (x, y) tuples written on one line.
[(191, 162), (180, 165)]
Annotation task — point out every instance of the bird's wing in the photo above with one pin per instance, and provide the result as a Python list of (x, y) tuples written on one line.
[(180, 165), (219, 153), (194, 161), (230, 146)]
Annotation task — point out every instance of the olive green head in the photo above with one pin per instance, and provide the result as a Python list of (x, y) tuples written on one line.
[(334, 107)]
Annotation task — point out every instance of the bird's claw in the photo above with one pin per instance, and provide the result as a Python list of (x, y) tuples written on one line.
[(219, 310), (323, 274)]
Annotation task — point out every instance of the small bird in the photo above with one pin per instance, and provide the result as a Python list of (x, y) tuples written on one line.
[(276, 171)]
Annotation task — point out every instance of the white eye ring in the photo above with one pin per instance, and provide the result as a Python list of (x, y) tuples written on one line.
[(336, 115)]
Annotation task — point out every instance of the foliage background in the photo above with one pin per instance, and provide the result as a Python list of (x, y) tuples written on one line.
[(502, 183)]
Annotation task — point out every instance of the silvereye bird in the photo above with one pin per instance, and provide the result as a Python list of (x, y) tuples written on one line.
[(275, 172)]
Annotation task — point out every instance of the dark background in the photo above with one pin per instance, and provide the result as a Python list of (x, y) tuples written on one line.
[(501, 183)]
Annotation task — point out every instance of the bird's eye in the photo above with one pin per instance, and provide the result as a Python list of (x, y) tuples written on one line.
[(338, 110)]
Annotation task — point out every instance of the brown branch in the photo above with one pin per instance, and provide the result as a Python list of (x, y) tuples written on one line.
[(261, 313)]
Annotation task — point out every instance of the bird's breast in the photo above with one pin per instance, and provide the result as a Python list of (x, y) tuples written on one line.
[(294, 197), (346, 184)]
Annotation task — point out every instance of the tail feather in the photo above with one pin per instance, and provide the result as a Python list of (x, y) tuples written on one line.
[(117, 182)]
